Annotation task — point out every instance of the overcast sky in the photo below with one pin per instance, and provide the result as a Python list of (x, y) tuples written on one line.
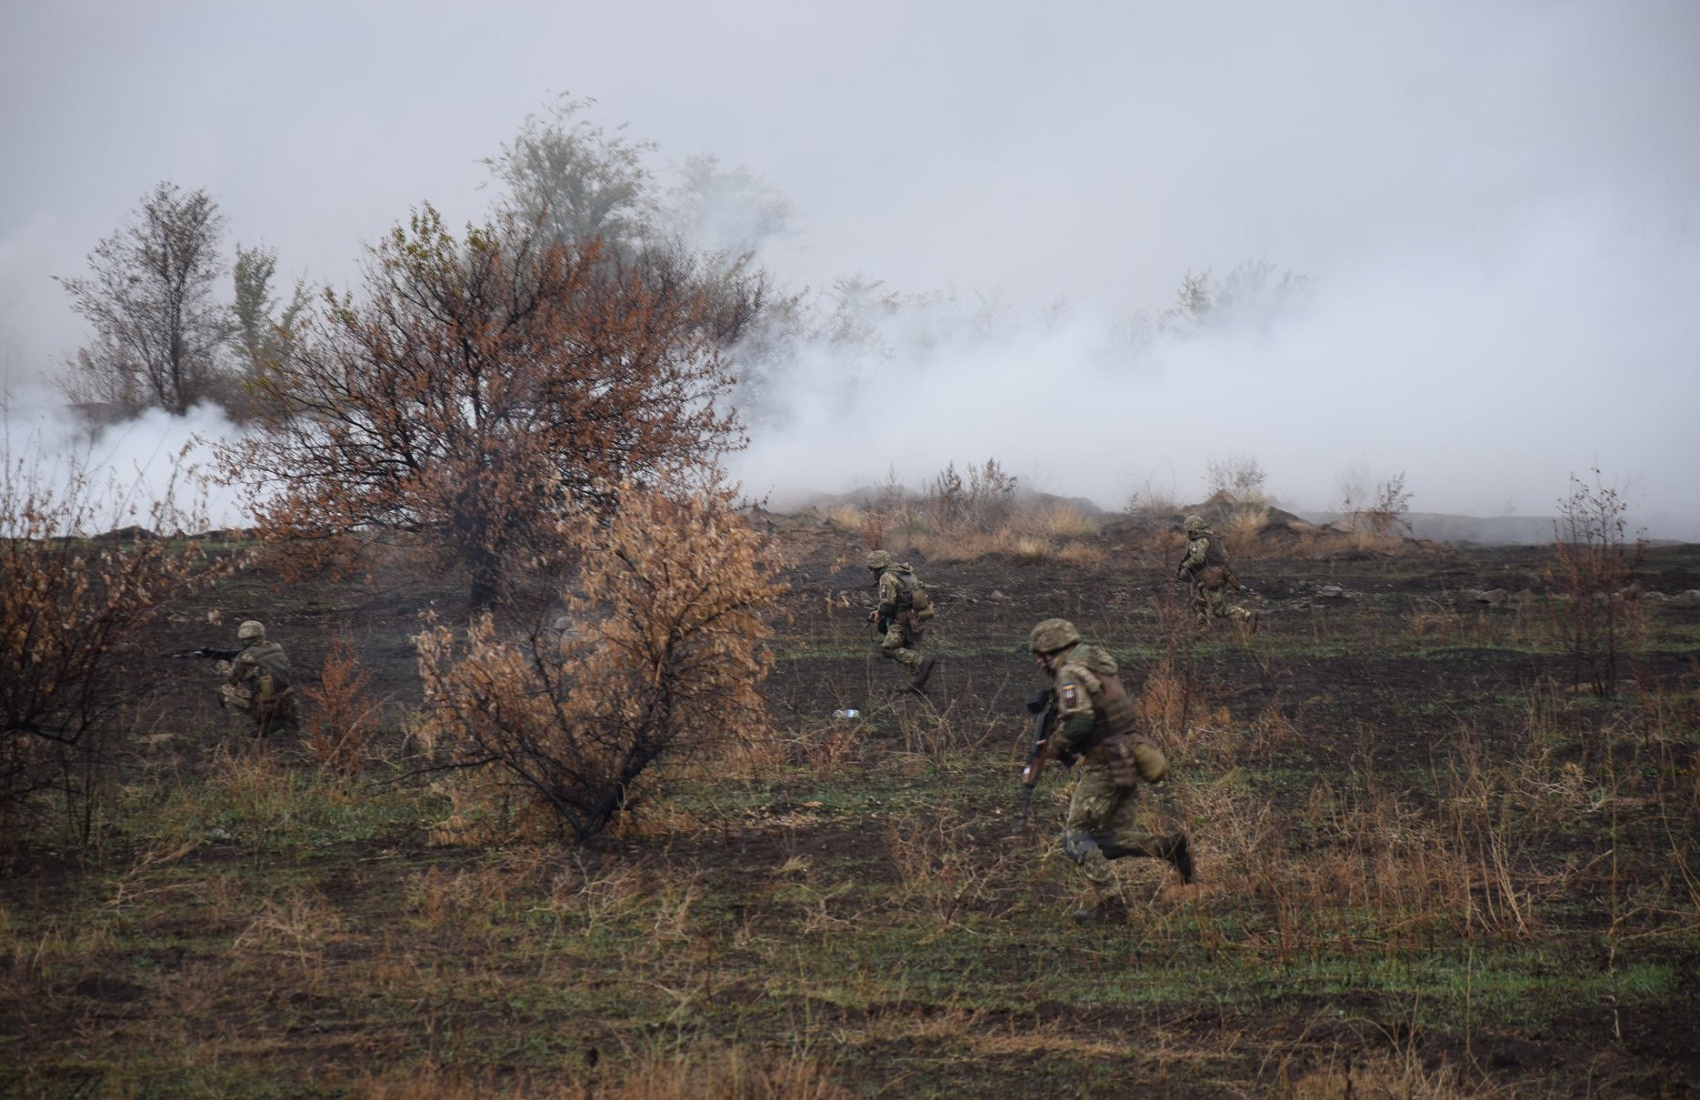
[(1497, 204)]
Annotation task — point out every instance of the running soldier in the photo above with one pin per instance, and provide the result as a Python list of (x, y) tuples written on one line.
[(1205, 567), (1093, 720), (903, 608)]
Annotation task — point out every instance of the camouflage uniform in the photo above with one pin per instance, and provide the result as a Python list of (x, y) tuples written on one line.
[(1206, 567), (1096, 722), (904, 629), (258, 683)]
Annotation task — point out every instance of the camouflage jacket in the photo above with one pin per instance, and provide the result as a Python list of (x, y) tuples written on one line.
[(264, 657), (1203, 552)]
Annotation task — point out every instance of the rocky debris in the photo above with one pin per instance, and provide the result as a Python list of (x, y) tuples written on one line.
[(1493, 597)]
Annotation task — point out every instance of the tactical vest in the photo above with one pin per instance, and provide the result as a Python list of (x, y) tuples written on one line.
[(1214, 555), (1113, 715)]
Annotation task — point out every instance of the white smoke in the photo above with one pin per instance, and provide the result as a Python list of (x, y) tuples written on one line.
[(1487, 366), (125, 469)]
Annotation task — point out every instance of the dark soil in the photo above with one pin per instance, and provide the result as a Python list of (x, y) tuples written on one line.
[(1334, 657)]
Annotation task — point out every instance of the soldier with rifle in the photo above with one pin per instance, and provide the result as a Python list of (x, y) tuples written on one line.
[(1087, 716), (1205, 567), (257, 679)]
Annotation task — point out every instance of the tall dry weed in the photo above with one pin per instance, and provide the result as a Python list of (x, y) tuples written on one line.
[(344, 718), (707, 1072), (942, 866)]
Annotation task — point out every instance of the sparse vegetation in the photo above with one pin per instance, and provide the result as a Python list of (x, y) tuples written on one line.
[(1241, 477), (1379, 517), (1427, 867)]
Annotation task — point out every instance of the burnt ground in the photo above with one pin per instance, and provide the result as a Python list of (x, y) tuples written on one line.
[(1364, 662)]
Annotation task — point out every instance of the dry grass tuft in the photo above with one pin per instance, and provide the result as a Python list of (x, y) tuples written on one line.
[(1400, 1073)]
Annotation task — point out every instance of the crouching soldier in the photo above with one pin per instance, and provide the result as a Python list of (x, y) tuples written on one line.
[(258, 683), (1093, 720)]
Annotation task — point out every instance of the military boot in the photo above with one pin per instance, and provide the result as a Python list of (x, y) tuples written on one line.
[(923, 672), (1176, 852), (1109, 909)]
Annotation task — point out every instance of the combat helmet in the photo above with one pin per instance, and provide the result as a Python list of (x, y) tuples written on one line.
[(1052, 635), (1195, 525), (251, 631), (880, 559)]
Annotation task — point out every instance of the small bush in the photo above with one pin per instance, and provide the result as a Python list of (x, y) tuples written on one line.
[(667, 660), (1239, 476), (70, 603), (982, 502), (1594, 566)]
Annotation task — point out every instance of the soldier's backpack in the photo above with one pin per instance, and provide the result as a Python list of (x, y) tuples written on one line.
[(273, 679), (914, 598), (1217, 572)]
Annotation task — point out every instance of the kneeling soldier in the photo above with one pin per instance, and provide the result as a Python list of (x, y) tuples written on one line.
[(257, 682)]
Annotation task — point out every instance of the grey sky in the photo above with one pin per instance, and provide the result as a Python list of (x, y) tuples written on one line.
[(1498, 204)]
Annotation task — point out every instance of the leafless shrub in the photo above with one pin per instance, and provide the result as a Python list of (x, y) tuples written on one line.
[(1153, 503), (1239, 476), (982, 502), (1594, 566), (1378, 518)]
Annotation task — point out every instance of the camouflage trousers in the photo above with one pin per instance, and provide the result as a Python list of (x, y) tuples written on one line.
[(1212, 603), (275, 716), (901, 643), (1102, 824)]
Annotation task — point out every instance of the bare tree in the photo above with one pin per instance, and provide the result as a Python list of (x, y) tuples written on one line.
[(159, 332), (1594, 564)]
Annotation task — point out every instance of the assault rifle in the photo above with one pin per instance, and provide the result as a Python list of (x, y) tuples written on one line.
[(208, 653), (1041, 706)]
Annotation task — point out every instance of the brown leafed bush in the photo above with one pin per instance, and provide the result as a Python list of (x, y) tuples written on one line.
[(71, 604), (481, 390), (665, 657)]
